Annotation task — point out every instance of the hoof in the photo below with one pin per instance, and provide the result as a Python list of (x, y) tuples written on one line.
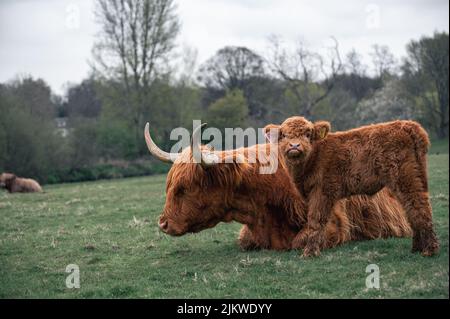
[(299, 242), (311, 252), (426, 244)]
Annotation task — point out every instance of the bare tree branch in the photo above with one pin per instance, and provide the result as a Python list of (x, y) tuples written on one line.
[(302, 69)]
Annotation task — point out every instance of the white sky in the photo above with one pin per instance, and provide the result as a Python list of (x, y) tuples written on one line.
[(43, 39)]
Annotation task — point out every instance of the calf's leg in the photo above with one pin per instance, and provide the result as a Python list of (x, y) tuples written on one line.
[(336, 231), (319, 210), (412, 191)]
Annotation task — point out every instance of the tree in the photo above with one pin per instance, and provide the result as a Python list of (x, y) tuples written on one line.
[(354, 64), (84, 142), (387, 104), (229, 111), (28, 143), (383, 60), (425, 74), (184, 94), (83, 100), (263, 95), (355, 80), (34, 96), (114, 137), (231, 68), (3, 129), (133, 46), (302, 69), (234, 68), (339, 108)]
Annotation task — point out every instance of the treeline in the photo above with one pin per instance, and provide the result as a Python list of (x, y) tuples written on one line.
[(96, 129)]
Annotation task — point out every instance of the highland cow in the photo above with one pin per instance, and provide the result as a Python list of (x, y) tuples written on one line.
[(199, 196), (329, 167), (16, 184)]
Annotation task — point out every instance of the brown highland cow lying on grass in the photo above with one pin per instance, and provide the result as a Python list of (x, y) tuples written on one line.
[(199, 196), (16, 184), (329, 167)]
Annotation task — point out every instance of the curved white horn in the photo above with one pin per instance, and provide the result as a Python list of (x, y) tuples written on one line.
[(155, 150), (206, 160)]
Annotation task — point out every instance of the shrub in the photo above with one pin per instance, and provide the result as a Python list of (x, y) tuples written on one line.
[(107, 171)]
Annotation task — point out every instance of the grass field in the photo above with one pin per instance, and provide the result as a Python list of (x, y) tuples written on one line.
[(109, 229)]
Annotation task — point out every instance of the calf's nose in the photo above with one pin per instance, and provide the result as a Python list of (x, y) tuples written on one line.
[(294, 145)]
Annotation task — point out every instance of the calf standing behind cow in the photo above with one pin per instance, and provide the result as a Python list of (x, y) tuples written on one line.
[(200, 195), (16, 184), (329, 167)]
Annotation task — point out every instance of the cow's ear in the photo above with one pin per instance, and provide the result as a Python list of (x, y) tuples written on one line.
[(321, 130), (271, 133)]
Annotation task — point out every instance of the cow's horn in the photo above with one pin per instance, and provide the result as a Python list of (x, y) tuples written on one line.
[(155, 150), (206, 159)]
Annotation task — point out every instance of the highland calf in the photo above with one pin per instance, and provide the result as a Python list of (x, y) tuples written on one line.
[(200, 195), (16, 184), (329, 167)]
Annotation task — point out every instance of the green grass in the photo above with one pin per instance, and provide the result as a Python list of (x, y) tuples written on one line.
[(109, 229), (439, 147)]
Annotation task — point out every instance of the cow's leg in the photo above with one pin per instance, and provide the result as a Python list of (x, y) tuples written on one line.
[(300, 240), (334, 235), (418, 209), (319, 210), (246, 239), (412, 191)]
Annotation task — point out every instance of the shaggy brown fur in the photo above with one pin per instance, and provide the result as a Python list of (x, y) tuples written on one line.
[(327, 168), (16, 184), (198, 198)]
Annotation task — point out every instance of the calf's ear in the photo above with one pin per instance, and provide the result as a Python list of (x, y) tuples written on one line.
[(321, 130), (271, 132)]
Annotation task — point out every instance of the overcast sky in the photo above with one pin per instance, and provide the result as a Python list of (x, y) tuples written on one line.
[(52, 39)]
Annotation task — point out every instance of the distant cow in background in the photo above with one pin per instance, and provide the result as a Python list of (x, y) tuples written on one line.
[(16, 184)]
